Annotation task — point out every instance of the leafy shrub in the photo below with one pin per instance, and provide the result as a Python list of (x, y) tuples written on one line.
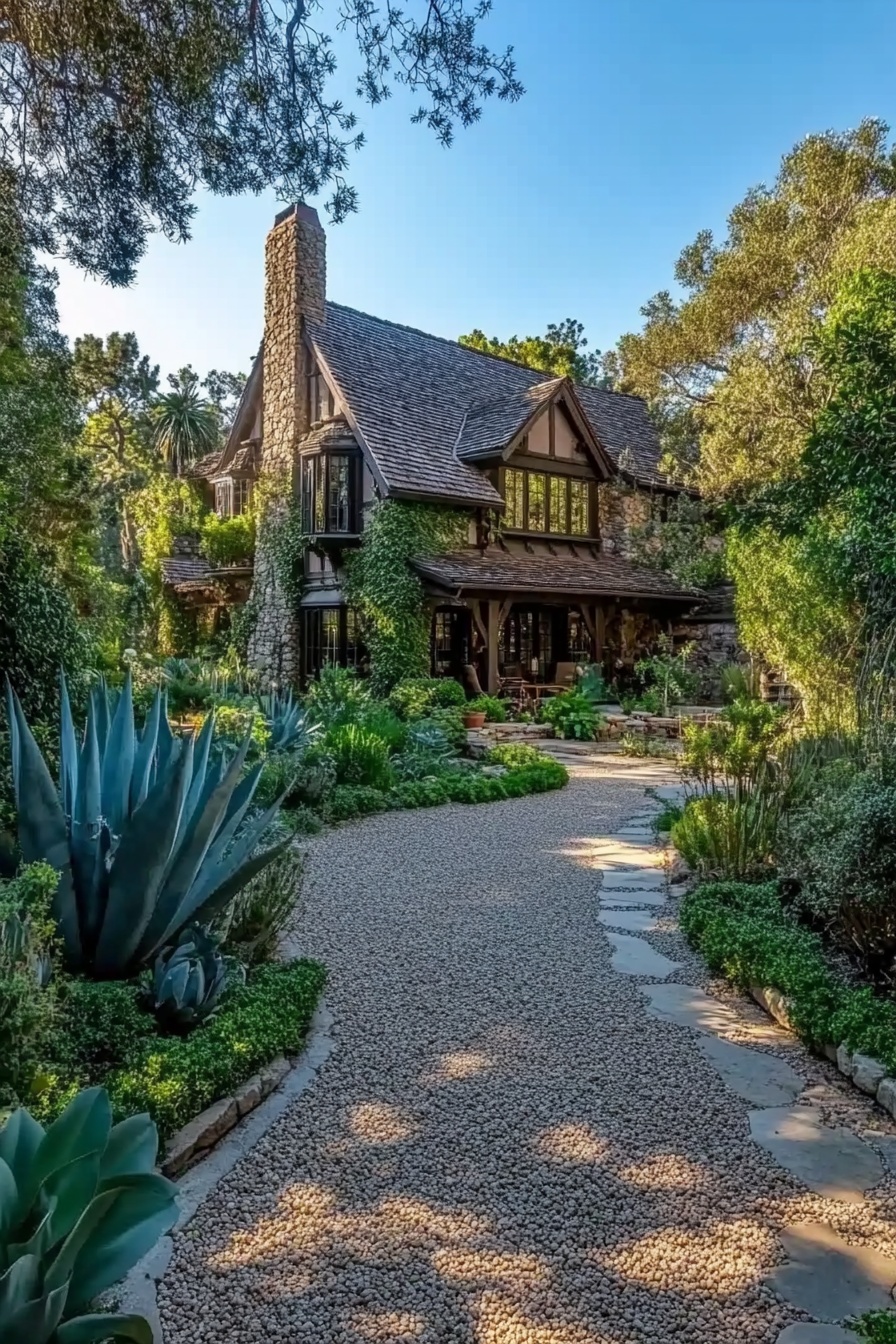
[(359, 756), (235, 722), (382, 721), (513, 755), (726, 837), (80, 1205), (842, 845), (666, 819), (176, 1077), (744, 933), (28, 1005), (101, 1024), (228, 541), (419, 793), (263, 910), (347, 801), (591, 684), (667, 675), (415, 697), (495, 710), (878, 1327), (337, 696), (451, 723), (571, 714), (39, 629)]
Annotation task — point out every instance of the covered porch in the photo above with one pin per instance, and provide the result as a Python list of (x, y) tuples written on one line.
[(530, 620)]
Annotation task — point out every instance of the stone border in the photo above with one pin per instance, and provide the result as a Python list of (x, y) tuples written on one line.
[(866, 1073), (138, 1292)]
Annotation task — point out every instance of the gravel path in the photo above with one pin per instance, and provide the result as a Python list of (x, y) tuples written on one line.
[(504, 1148)]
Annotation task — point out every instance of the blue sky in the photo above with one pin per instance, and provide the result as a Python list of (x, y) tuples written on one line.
[(643, 121)]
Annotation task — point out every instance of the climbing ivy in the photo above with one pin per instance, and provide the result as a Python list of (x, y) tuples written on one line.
[(387, 591)]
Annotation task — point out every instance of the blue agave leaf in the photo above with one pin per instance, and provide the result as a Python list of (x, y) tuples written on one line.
[(189, 856), (68, 751), (41, 823), (89, 845), (146, 753), (138, 867), (118, 761), (143, 1209), (95, 1327), (132, 1147)]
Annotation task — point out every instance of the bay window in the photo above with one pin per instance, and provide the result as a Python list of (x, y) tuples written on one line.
[(328, 494)]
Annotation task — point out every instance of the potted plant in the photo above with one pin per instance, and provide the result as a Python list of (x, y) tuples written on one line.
[(474, 718)]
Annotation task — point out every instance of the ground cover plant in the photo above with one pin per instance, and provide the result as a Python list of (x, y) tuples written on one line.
[(746, 933)]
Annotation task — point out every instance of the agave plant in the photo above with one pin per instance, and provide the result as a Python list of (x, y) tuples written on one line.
[(146, 832), (188, 981), (80, 1204), (288, 723)]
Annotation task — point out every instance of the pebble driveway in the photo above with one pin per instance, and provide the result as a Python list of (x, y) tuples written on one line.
[(540, 1123)]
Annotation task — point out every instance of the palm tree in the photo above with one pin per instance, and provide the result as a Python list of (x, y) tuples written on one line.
[(185, 422)]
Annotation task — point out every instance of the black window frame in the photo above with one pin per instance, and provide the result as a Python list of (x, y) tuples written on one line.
[(320, 515), (342, 626), (516, 483)]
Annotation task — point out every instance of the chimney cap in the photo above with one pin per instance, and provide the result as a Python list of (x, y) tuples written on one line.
[(305, 213)]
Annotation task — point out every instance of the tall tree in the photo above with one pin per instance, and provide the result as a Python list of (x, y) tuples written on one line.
[(186, 424), (114, 113), (117, 386), (732, 360), (562, 352)]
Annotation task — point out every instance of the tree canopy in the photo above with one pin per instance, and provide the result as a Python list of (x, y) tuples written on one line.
[(114, 113), (731, 362), (562, 352)]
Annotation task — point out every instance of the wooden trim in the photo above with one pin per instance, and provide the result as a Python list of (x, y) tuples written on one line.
[(478, 621), (493, 675), (552, 431)]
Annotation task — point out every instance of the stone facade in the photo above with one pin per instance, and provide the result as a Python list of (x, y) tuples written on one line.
[(620, 509), (295, 288)]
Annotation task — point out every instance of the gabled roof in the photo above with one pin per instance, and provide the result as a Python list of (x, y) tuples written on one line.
[(491, 424), (408, 395)]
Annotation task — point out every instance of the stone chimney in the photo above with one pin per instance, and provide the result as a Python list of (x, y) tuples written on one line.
[(295, 267)]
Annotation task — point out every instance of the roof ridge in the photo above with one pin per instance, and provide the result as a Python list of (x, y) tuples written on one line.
[(485, 354)]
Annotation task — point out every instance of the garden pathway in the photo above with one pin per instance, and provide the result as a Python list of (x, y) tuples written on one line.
[(536, 1126)]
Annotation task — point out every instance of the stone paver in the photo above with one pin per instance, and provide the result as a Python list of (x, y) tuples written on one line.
[(632, 879), (634, 956), (830, 1279), (633, 921), (761, 1079), (690, 1007), (511, 1142), (831, 1160)]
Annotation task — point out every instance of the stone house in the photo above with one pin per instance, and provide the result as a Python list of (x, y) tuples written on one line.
[(343, 410)]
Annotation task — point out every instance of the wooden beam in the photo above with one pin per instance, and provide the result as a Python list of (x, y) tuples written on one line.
[(600, 628), (504, 613), (478, 621), (493, 628)]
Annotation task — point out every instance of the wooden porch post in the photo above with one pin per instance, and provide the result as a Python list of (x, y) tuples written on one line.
[(494, 621), (600, 622)]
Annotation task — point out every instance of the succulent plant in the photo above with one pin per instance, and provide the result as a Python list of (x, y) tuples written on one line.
[(288, 722), (188, 980), (80, 1204), (146, 832)]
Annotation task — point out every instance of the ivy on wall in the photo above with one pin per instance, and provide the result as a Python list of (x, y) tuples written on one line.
[(388, 593)]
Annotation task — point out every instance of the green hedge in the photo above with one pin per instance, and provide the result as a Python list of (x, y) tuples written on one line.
[(176, 1077), (346, 802), (745, 934)]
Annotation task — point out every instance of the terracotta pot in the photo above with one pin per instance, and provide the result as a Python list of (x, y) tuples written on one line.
[(474, 718)]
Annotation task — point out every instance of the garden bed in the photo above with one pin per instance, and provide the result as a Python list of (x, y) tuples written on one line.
[(743, 933)]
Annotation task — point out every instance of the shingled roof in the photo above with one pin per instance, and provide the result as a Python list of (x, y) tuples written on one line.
[(416, 399), (576, 569)]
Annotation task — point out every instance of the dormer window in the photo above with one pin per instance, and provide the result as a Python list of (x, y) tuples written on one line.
[(329, 494), (539, 501)]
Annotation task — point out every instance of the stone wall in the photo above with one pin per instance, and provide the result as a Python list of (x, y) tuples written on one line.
[(295, 288), (620, 508)]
